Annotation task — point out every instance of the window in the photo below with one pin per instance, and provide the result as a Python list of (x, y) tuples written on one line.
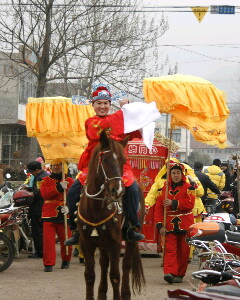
[(176, 135), (27, 89), (6, 147)]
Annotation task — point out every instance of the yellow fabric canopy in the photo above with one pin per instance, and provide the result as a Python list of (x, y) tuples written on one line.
[(56, 116), (193, 102), (59, 126)]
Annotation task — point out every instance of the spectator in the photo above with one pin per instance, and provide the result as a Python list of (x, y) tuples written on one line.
[(35, 209), (218, 177), (205, 181), (226, 170), (234, 180)]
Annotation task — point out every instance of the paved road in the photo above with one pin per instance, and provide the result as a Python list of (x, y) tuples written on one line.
[(26, 280)]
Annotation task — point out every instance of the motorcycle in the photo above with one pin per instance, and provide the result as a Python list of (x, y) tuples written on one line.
[(14, 227), (223, 213), (220, 273)]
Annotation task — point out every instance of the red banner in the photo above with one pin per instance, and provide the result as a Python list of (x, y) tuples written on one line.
[(146, 165)]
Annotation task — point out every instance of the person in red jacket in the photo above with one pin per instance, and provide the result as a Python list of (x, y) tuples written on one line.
[(119, 125), (179, 204), (53, 211)]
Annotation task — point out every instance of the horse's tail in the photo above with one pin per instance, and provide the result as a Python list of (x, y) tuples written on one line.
[(138, 278), (132, 262)]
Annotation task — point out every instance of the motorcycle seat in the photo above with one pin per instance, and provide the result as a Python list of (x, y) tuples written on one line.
[(224, 289), (233, 236)]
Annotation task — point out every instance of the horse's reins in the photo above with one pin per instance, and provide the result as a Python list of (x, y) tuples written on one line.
[(106, 179)]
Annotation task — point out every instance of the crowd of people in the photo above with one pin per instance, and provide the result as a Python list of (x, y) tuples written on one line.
[(184, 196)]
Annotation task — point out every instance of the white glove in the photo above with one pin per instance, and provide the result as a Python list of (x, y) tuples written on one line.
[(190, 179), (64, 210), (64, 184)]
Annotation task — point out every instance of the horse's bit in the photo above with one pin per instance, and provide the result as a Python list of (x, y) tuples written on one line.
[(106, 178)]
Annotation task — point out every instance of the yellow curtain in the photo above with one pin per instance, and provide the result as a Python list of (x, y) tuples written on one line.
[(56, 117), (193, 102), (59, 126)]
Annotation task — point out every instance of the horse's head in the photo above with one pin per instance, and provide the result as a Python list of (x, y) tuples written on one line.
[(109, 160)]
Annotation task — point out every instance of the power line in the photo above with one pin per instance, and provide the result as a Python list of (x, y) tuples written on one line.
[(204, 55)]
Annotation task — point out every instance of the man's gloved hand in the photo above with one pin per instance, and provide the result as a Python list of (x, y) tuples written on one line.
[(64, 184), (64, 210)]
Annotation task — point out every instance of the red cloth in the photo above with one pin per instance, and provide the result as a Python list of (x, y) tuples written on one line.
[(50, 230), (53, 199), (115, 125), (176, 255)]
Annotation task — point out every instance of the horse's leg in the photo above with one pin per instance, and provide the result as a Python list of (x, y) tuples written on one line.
[(131, 261), (104, 264), (88, 251), (114, 254)]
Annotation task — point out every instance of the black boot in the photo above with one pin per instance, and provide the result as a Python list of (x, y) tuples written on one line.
[(73, 240), (132, 234), (65, 264)]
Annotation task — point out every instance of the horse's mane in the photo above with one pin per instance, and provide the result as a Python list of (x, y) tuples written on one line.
[(116, 147)]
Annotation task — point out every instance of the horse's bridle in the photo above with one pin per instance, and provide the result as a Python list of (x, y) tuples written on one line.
[(107, 179)]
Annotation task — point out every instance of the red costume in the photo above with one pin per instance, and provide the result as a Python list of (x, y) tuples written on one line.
[(179, 218), (115, 125), (53, 219)]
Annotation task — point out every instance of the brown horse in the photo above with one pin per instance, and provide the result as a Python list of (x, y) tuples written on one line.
[(99, 221)]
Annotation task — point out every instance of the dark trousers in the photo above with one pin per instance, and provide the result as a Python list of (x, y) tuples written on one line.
[(130, 204), (37, 233), (73, 198)]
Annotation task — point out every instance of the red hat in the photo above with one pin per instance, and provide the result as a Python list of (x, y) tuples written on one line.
[(101, 93), (177, 166)]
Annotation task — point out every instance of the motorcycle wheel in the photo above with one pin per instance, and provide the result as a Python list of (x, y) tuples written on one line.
[(6, 252)]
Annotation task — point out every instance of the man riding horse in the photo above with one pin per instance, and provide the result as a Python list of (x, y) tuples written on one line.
[(120, 124)]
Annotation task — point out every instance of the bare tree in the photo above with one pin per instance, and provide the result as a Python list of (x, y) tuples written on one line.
[(82, 41)]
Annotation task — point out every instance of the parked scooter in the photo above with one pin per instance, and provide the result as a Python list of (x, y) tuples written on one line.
[(220, 273), (14, 227), (224, 212)]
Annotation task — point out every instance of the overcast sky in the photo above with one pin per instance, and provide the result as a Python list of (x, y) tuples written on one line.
[(210, 49)]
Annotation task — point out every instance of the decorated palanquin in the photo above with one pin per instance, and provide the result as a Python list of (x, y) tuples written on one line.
[(146, 165)]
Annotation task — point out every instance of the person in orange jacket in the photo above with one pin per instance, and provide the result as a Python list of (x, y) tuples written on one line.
[(53, 211), (179, 203)]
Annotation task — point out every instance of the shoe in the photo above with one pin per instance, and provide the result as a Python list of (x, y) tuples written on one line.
[(169, 278), (81, 260), (65, 264), (35, 255), (75, 252), (47, 268), (133, 234), (73, 240), (178, 279)]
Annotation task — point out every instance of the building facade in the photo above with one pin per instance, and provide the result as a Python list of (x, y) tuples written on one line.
[(16, 85), (214, 152), (180, 136)]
